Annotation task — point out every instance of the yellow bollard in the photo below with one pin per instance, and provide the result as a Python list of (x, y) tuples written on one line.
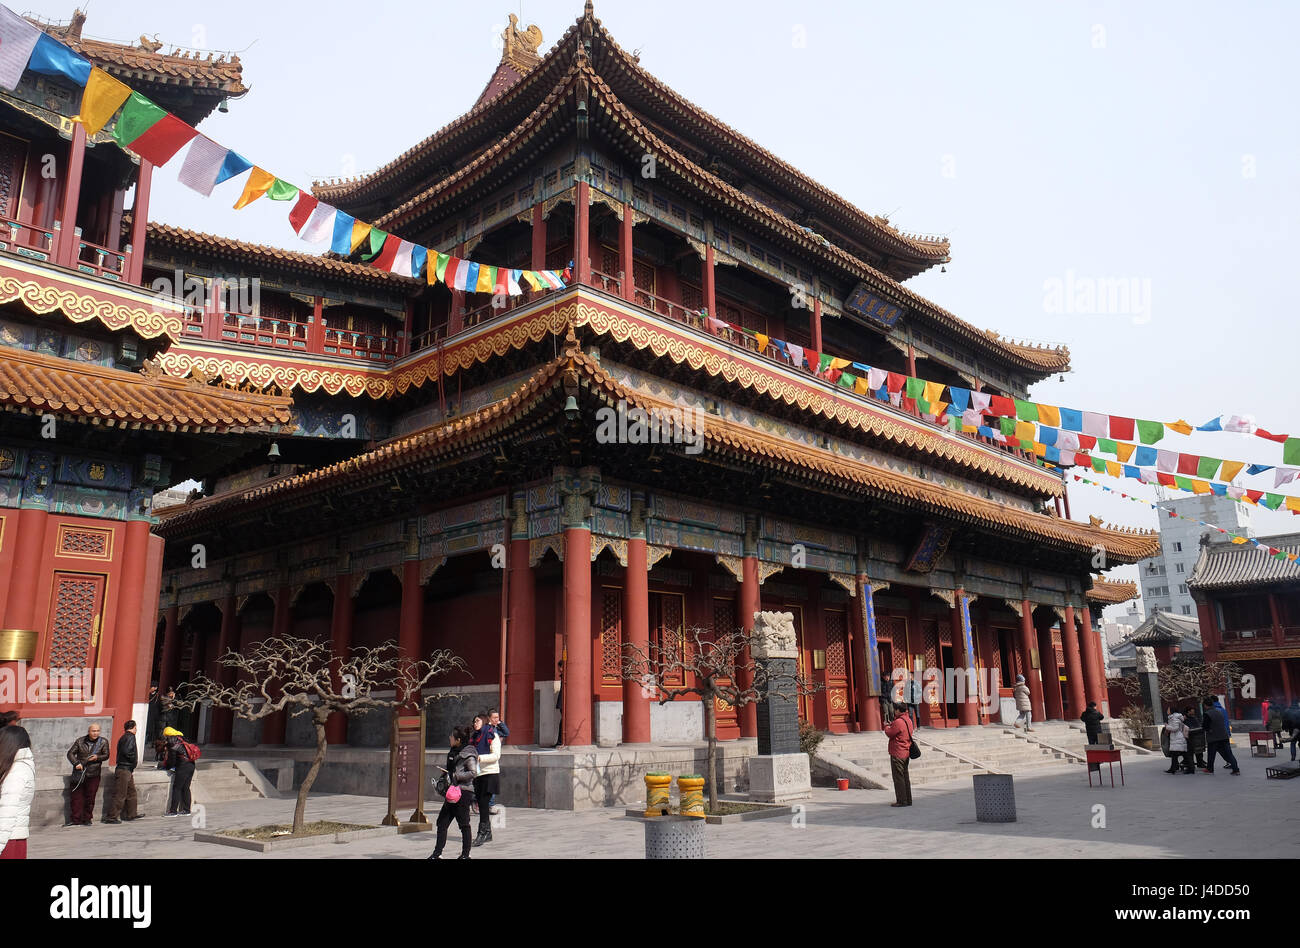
[(690, 795), (657, 792)]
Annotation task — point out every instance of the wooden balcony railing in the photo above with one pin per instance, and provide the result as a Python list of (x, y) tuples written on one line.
[(370, 347), (25, 240), (273, 333), (606, 282), (100, 261), (292, 335)]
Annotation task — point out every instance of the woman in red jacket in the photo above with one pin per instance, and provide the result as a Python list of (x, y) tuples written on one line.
[(899, 733)]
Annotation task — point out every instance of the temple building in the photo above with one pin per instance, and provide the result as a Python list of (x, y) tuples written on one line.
[(385, 458)]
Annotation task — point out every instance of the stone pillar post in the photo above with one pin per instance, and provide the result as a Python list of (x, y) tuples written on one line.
[(1149, 681), (781, 772)]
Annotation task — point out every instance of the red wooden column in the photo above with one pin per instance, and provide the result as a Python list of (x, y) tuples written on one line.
[(750, 603), (29, 543), (710, 281), (1286, 681), (1093, 677), (817, 325), (341, 615), (169, 671), (140, 221), (273, 725), (866, 657), (577, 624), (1033, 676), (963, 649), (1277, 622), (521, 646), (223, 719), (410, 623), (316, 331), (1051, 676), (582, 239), (1205, 612), (126, 620), (67, 251), (911, 360), (1073, 667), (628, 282), (636, 625), (538, 254)]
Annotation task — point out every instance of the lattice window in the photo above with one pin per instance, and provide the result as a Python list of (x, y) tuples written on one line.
[(891, 629), (668, 631), (73, 625), (724, 617), (611, 633), (692, 298), (609, 262), (931, 630), (84, 542), (836, 645)]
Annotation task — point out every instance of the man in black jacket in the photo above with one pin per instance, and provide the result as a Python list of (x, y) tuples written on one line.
[(1218, 738), (128, 755), (87, 756)]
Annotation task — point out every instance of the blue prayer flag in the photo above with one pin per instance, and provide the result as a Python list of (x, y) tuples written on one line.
[(1131, 471), (1047, 435), (1220, 489), (960, 398), (1071, 420), (420, 257), (342, 241), (1211, 425), (1259, 468), (234, 164), (1144, 456), (52, 58), (1052, 454)]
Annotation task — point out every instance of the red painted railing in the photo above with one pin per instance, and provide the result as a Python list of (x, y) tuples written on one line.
[(26, 240), (366, 346), (100, 261)]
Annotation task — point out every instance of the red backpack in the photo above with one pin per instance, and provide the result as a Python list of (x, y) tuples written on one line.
[(191, 751)]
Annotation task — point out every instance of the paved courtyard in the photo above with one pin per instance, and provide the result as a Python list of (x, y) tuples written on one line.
[(1154, 815)]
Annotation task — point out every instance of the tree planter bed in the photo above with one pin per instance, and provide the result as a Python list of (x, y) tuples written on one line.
[(275, 844)]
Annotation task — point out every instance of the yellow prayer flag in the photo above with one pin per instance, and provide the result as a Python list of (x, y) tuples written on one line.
[(1114, 469), (258, 183), (840, 363), (1201, 487), (934, 392), (1040, 449), (1230, 469), (1049, 415), (360, 230), (485, 275), (969, 429), (534, 280), (1025, 431), (1180, 426), (938, 408), (104, 95), (1124, 451), (762, 341), (859, 385), (1239, 540)]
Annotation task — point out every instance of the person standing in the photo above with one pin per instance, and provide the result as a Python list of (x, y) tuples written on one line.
[(17, 790), (1023, 704), (1176, 726), (86, 755), (900, 732), (1218, 738), (487, 743), (128, 756), (1195, 736), (1274, 723), (180, 764), (1291, 721), (912, 699), (494, 718), (461, 769), (1092, 722)]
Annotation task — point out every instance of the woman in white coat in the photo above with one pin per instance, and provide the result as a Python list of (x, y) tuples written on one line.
[(1176, 725), (17, 790)]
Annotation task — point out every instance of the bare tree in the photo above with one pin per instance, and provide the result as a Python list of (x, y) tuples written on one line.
[(1186, 680), (715, 666), (288, 671)]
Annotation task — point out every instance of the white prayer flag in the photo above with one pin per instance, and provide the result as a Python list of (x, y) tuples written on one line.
[(320, 226), (202, 165), (17, 40)]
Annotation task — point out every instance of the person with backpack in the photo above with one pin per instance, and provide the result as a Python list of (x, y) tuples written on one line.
[(488, 745), (457, 788), (1218, 738), (128, 756), (900, 732), (87, 755), (181, 756), (17, 790)]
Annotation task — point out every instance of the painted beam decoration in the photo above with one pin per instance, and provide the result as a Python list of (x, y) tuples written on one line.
[(862, 302)]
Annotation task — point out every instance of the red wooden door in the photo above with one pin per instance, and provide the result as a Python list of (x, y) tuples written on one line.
[(835, 625), (76, 618), (724, 622)]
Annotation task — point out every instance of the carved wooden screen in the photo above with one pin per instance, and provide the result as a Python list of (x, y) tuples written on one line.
[(13, 155), (76, 608), (666, 630), (834, 622), (611, 634), (724, 623)]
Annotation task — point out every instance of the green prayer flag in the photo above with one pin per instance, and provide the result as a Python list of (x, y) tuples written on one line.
[(1280, 555), (1026, 411), (823, 363), (1184, 483), (1027, 446), (1150, 431), (1291, 451), (1206, 467), (1273, 501), (1099, 465), (377, 238), (441, 270), (847, 380), (923, 406), (137, 117), (282, 191), (1108, 446), (915, 388), (1008, 426)]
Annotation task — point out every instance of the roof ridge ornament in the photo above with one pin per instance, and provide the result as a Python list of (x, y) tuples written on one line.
[(520, 47)]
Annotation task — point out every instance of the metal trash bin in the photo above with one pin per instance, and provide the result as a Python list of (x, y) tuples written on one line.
[(674, 837), (995, 798)]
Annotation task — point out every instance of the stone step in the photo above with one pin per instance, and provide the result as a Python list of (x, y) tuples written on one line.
[(222, 782)]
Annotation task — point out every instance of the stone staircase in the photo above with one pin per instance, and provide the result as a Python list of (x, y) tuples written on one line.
[(1004, 750), (868, 755), (220, 781), (1073, 738)]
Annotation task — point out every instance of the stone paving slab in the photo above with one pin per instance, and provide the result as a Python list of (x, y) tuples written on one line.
[(1154, 815)]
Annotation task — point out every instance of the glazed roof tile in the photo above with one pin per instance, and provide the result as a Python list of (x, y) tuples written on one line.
[(1111, 592), (1223, 564), (36, 382)]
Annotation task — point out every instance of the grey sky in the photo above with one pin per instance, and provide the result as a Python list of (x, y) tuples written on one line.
[(1153, 142)]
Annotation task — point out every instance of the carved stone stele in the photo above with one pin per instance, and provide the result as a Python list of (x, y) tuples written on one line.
[(1146, 658), (774, 635)]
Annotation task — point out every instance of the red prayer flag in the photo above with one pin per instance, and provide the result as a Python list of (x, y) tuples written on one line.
[(1166, 479), (1255, 495), (812, 359), (1187, 463), (1001, 405), (301, 211), (833, 375), (1279, 438), (908, 404), (894, 382), (1087, 442), (1121, 429), (387, 253), (162, 140), (1274, 550)]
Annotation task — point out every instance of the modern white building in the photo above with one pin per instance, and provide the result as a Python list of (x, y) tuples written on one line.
[(1163, 579)]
